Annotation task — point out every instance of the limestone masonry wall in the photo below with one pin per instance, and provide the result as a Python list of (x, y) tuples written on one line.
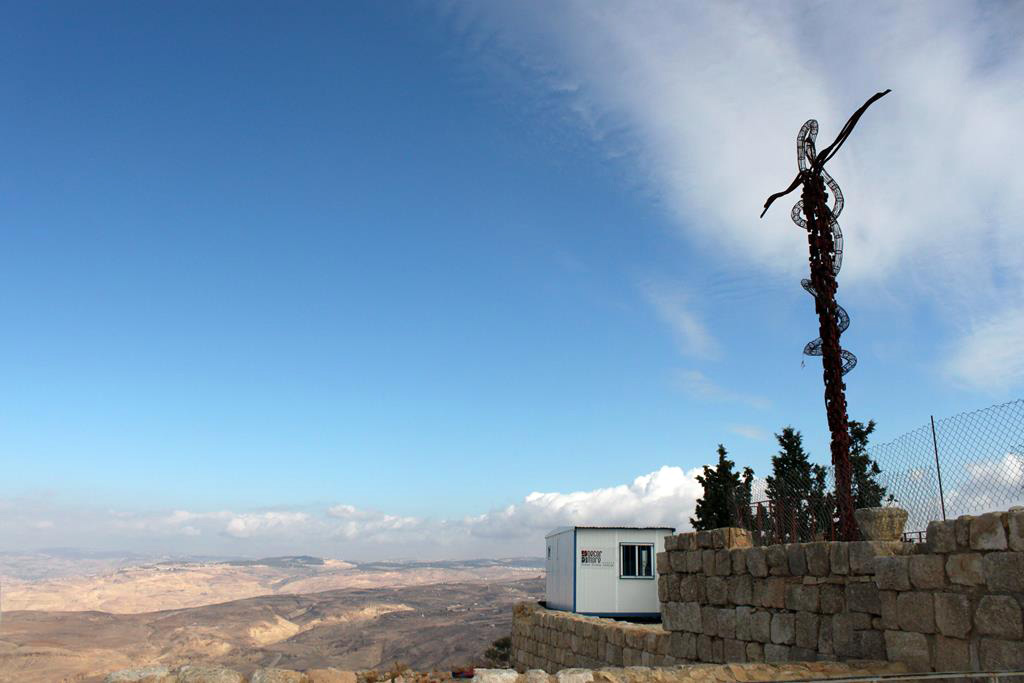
[(953, 603)]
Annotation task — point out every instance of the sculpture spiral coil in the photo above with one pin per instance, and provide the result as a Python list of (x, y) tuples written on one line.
[(805, 154)]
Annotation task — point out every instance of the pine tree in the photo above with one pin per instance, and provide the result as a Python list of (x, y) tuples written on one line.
[(726, 499), (868, 492)]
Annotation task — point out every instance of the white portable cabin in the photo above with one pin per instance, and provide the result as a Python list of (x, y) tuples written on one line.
[(604, 571)]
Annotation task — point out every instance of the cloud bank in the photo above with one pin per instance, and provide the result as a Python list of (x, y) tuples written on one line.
[(664, 497)]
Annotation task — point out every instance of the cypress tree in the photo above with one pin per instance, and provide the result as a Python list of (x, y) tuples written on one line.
[(726, 499), (802, 506), (868, 492)]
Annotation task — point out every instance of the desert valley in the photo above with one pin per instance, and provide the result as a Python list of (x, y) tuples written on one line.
[(295, 612)]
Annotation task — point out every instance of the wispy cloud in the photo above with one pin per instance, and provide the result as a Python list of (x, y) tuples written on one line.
[(674, 305), (697, 385), (991, 355), (751, 432), (707, 99)]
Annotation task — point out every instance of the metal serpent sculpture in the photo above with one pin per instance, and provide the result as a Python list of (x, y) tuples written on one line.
[(825, 247), (805, 159)]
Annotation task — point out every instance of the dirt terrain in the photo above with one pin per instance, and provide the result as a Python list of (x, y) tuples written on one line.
[(173, 585), (248, 614)]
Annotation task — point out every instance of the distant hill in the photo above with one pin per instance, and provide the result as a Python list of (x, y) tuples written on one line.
[(284, 561)]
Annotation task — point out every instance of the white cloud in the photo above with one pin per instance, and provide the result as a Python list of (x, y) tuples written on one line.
[(244, 526), (707, 98), (667, 496), (990, 355), (371, 524), (675, 308), (696, 384)]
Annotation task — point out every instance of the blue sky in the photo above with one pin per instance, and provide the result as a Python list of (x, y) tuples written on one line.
[(311, 277)]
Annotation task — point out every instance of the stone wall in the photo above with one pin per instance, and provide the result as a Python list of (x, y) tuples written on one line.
[(553, 640), (951, 604)]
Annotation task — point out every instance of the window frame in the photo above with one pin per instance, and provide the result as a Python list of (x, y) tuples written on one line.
[(636, 546)]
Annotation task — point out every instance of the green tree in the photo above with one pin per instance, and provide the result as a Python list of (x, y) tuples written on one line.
[(802, 508), (726, 499), (868, 492)]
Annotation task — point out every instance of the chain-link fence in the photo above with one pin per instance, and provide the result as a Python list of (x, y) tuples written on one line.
[(969, 463)]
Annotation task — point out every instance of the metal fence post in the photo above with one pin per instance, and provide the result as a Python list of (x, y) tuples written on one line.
[(938, 469)]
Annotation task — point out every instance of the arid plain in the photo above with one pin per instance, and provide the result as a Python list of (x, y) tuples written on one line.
[(295, 612)]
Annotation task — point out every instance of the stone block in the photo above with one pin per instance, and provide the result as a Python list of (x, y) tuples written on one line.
[(757, 563), (671, 542), (783, 628), (734, 651), (839, 558), (778, 563), (963, 532), (795, 559), (663, 596), (717, 650), (741, 590), (776, 653), (727, 622), (1004, 571), (688, 541), (691, 588), (987, 532), (999, 616), (683, 646), (953, 614), (694, 561), (704, 648), (863, 597), (773, 593), (916, 612), (755, 652), (863, 553), (737, 537), (941, 536), (951, 654), (717, 590), (817, 558), (718, 538), (1000, 655), (760, 627), (844, 630), (708, 562), (662, 564), (909, 648), (825, 636), (709, 620), (705, 539), (892, 573), (832, 598), (739, 560), (965, 569), (1015, 529), (806, 630), (870, 645), (743, 615), (677, 560), (881, 523), (723, 563), (801, 598), (927, 571)]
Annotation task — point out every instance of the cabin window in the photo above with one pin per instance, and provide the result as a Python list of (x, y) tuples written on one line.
[(637, 561)]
